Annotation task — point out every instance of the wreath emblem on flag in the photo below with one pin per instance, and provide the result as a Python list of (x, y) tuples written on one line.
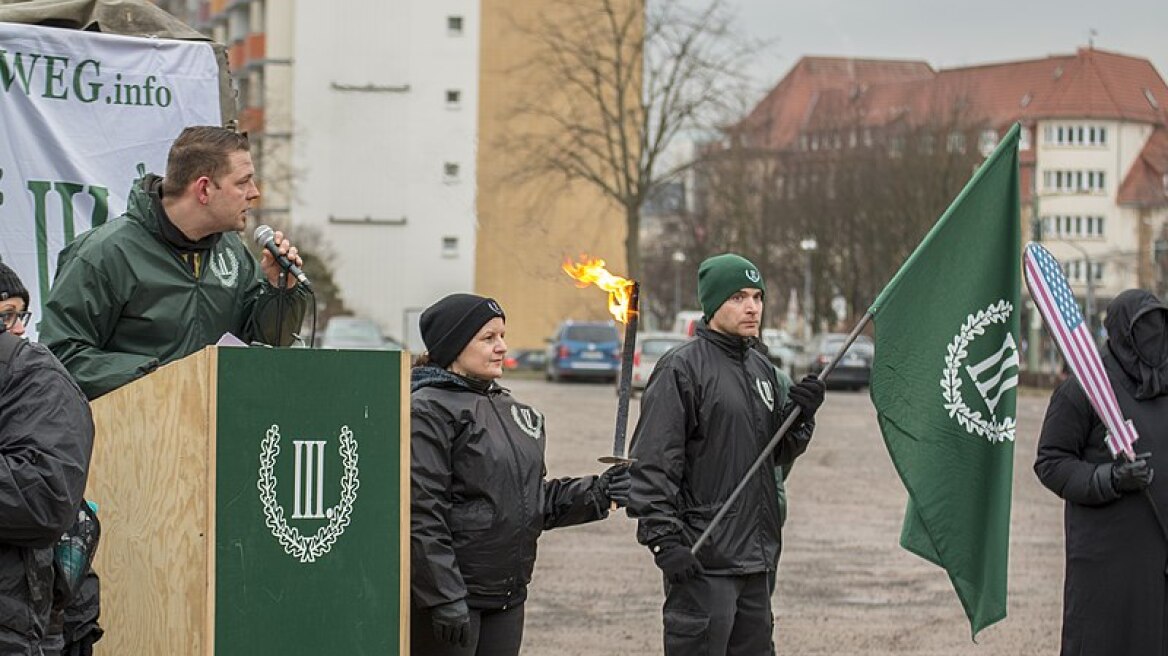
[(307, 548), (992, 428)]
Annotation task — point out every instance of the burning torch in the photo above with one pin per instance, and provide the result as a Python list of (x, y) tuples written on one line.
[(624, 305)]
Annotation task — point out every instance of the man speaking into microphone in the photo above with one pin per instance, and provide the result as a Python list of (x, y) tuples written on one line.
[(172, 275)]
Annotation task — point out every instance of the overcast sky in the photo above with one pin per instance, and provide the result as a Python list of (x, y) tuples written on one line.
[(949, 33)]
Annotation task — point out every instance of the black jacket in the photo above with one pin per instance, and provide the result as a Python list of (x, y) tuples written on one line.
[(479, 500), (1115, 598), (707, 412), (46, 439)]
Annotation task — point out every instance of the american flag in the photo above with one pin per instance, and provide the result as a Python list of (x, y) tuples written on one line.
[(1051, 293)]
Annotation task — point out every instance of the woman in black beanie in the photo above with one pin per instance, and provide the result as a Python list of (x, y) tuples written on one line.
[(479, 499)]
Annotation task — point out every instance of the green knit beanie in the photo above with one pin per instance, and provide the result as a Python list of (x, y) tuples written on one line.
[(721, 276)]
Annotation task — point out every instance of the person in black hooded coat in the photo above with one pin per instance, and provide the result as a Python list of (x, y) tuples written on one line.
[(479, 499), (1115, 599)]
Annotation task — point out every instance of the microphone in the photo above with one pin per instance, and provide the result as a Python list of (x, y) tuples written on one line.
[(266, 238)]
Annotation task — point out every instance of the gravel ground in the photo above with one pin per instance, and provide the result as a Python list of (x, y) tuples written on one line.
[(845, 585)]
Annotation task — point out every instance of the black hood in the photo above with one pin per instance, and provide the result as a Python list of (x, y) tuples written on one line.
[(157, 220), (1137, 337)]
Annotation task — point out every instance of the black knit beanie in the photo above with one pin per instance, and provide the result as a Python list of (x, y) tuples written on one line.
[(449, 325), (10, 285), (721, 276)]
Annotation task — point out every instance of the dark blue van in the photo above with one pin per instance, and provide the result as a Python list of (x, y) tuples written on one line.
[(584, 349)]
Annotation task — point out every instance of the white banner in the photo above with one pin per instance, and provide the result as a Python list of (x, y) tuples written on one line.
[(83, 115)]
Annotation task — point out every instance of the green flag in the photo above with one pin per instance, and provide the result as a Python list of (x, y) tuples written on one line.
[(944, 382)]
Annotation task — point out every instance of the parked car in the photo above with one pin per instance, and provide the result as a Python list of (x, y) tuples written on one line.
[(583, 349), (782, 349), (686, 322), (347, 332), (648, 350), (526, 360), (854, 368)]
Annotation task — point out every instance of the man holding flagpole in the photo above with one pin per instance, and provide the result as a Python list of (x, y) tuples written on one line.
[(709, 409), (1115, 598)]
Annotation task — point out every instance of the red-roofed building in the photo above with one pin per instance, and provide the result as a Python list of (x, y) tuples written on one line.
[(1094, 150)]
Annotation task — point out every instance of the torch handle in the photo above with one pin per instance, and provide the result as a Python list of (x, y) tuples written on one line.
[(626, 374)]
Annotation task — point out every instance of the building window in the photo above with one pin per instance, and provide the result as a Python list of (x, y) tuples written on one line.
[(1075, 135), (987, 142), (956, 143), (450, 171), (454, 25), (453, 99), (1076, 226), (1074, 182), (450, 247), (1077, 271), (896, 146)]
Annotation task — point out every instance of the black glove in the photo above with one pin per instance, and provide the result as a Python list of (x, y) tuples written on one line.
[(614, 484), (1132, 476), (808, 395), (675, 560), (451, 623)]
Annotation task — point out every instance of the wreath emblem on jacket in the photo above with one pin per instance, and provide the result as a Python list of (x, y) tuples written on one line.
[(307, 548), (993, 377), (226, 269), (529, 420), (765, 392)]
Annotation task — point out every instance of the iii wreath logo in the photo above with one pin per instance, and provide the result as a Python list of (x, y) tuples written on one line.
[(226, 269), (765, 392), (993, 377), (529, 420), (308, 485)]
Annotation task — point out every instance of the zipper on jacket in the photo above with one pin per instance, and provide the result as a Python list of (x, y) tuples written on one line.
[(773, 502), (522, 490)]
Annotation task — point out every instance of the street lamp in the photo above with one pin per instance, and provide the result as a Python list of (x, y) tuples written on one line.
[(678, 258), (808, 246)]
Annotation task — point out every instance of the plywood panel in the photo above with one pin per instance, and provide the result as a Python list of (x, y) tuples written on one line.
[(150, 476)]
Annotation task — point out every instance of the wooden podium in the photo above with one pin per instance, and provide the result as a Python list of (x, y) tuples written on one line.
[(256, 501)]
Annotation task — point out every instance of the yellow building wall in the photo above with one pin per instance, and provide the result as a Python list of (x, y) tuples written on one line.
[(525, 231)]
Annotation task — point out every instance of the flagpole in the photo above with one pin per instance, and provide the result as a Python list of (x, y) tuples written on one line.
[(770, 447)]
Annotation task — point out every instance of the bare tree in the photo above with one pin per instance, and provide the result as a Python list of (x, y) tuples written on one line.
[(867, 194), (615, 82)]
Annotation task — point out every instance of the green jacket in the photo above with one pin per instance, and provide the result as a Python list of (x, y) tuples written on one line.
[(124, 302)]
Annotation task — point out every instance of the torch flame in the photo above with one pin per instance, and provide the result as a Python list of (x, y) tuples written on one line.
[(592, 272)]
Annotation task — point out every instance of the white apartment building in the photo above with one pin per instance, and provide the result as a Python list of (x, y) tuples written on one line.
[(383, 149), (1081, 167)]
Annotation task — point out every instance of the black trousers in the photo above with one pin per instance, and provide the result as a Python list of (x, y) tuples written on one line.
[(720, 616), (492, 633)]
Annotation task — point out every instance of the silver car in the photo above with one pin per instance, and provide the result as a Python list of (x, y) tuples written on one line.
[(356, 333), (648, 350)]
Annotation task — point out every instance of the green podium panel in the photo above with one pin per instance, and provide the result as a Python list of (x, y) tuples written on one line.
[(311, 530)]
